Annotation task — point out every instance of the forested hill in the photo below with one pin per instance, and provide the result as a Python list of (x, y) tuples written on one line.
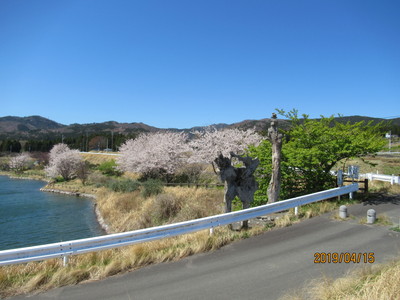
[(18, 125), (354, 119), (36, 129)]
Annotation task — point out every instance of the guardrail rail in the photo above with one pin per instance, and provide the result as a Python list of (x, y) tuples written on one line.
[(65, 249)]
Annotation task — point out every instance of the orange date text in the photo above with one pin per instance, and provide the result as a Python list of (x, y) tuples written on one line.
[(344, 257)]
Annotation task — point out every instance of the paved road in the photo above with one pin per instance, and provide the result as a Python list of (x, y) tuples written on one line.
[(263, 267)]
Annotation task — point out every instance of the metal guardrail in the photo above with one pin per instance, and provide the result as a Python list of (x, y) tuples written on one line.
[(65, 249), (381, 177)]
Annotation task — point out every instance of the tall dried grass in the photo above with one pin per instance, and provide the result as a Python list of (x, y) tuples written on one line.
[(384, 187), (131, 211), (97, 159), (373, 282)]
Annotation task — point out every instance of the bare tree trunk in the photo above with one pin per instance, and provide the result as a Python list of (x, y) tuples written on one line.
[(245, 223), (275, 183)]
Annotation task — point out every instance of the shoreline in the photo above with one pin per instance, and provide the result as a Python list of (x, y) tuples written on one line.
[(77, 194), (13, 176), (99, 218)]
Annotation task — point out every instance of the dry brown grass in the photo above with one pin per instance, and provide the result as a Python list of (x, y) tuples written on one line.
[(372, 282), (286, 220), (381, 219), (384, 187), (319, 208), (97, 159), (131, 211)]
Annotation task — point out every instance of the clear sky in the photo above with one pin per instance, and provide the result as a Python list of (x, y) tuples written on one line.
[(184, 63)]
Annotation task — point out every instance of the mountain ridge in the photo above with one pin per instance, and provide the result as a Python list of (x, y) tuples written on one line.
[(31, 127)]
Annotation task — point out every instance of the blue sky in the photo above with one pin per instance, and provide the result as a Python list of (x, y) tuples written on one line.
[(176, 63)]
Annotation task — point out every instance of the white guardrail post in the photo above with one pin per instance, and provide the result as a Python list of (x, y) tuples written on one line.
[(63, 250)]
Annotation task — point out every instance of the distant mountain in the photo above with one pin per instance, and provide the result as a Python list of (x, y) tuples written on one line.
[(260, 125), (123, 128), (19, 125), (354, 119), (37, 127), (218, 126)]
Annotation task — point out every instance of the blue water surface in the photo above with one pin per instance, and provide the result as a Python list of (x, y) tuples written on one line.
[(29, 217)]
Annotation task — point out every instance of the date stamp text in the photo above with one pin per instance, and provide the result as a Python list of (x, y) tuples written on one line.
[(344, 257)]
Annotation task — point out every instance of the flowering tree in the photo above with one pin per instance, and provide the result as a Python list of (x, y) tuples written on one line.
[(63, 162), (151, 151), (58, 149), (207, 145), (20, 162), (169, 151)]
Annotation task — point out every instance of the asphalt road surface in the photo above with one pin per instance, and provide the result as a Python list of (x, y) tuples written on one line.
[(263, 267)]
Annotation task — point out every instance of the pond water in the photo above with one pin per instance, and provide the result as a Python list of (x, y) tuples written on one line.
[(29, 217)]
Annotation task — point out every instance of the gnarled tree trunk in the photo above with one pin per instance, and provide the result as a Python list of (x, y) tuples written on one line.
[(275, 184)]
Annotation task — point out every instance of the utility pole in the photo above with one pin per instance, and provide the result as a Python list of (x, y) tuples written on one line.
[(112, 140), (87, 149)]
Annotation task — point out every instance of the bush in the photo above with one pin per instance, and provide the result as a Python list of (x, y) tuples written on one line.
[(151, 187), (156, 174), (166, 207), (109, 168), (123, 185), (99, 180), (4, 166), (59, 179), (190, 173)]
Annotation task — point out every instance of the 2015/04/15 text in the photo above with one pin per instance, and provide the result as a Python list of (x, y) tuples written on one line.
[(344, 257)]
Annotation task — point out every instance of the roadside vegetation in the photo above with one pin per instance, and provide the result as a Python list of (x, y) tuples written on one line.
[(132, 192), (377, 282)]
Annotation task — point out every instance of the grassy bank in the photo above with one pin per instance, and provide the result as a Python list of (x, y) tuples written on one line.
[(30, 174)]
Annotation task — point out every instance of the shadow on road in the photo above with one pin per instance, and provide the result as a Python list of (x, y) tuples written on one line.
[(382, 198)]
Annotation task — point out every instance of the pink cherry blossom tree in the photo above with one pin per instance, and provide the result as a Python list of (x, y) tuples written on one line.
[(63, 162), (162, 150), (20, 162), (170, 151), (207, 145)]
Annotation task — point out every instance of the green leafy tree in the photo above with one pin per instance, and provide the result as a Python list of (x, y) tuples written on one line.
[(310, 150)]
